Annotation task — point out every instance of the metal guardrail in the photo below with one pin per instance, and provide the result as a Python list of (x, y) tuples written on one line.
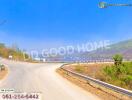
[(106, 85)]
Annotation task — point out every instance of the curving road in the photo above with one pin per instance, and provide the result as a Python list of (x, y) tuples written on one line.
[(28, 77)]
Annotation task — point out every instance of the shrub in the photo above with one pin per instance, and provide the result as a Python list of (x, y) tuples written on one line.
[(110, 71), (118, 59), (120, 76)]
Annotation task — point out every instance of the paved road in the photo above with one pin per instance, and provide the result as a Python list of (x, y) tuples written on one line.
[(27, 77)]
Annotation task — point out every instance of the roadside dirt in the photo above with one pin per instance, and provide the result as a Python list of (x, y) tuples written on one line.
[(83, 84), (3, 73)]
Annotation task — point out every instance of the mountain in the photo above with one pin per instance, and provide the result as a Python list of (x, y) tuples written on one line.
[(124, 48)]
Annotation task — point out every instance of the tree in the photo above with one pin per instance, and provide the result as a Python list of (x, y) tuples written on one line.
[(118, 59), (2, 45)]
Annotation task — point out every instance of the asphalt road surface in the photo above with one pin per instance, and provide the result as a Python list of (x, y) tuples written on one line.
[(28, 77)]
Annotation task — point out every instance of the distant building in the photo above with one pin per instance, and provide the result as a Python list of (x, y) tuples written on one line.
[(37, 59), (10, 57), (43, 60)]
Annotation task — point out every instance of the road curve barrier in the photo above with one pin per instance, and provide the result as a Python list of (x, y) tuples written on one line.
[(109, 88)]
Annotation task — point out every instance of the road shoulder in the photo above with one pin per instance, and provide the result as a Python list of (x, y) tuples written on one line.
[(4, 73), (83, 84)]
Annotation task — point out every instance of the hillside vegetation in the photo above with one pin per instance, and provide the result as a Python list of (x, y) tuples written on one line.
[(124, 48), (5, 52), (119, 73)]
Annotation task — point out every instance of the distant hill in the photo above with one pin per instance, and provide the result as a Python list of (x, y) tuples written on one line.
[(5, 52), (123, 47)]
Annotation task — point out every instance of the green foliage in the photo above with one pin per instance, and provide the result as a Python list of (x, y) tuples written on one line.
[(17, 54), (120, 76), (110, 71), (118, 59)]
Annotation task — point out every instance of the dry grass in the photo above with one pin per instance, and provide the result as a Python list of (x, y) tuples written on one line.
[(96, 71), (92, 70), (83, 84)]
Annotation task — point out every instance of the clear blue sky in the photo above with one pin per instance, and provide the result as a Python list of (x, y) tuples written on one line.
[(37, 24)]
